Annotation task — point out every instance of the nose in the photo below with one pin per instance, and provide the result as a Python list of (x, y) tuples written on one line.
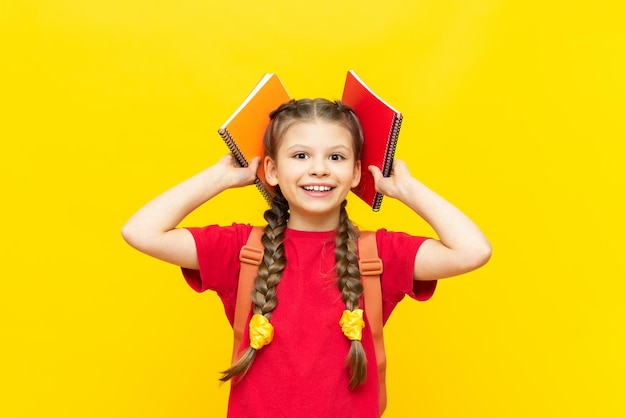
[(318, 168)]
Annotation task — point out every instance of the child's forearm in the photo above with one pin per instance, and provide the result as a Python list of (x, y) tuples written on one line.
[(167, 210), (461, 246), (152, 229), (454, 229)]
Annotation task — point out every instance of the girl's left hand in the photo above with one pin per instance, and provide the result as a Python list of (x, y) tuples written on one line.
[(393, 185)]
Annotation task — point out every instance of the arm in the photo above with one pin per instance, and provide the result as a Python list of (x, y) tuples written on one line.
[(461, 247), (152, 230)]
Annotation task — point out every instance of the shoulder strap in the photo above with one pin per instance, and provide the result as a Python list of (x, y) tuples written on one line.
[(371, 267), (250, 257)]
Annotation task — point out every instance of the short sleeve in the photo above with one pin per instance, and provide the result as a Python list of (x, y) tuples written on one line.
[(218, 260), (397, 251)]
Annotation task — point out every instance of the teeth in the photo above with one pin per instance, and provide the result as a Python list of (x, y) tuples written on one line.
[(317, 188)]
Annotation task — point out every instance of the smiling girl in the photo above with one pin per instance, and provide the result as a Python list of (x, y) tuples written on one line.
[(309, 274)]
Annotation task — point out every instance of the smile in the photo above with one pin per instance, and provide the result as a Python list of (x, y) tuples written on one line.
[(317, 188)]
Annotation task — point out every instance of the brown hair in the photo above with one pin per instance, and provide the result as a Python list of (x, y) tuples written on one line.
[(273, 264)]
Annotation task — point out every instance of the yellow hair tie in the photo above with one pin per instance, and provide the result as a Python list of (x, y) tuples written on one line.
[(352, 324), (261, 331)]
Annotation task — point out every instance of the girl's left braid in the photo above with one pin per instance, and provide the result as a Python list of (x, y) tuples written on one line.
[(349, 284)]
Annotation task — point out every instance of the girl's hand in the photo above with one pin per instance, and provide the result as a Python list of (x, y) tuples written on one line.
[(393, 185), (232, 175)]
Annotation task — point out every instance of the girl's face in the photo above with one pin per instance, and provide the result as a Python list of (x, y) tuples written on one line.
[(315, 167)]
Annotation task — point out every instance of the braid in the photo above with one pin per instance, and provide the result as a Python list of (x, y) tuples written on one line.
[(269, 274), (349, 284), (270, 270)]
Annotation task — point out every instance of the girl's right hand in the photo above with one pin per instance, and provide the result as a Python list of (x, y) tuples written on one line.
[(233, 175)]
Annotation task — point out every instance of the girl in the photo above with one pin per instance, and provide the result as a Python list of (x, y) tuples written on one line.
[(309, 274)]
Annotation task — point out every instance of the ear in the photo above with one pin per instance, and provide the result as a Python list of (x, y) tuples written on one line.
[(356, 175), (271, 176)]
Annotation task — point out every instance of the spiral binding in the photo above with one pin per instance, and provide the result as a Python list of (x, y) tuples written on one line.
[(243, 162), (232, 146), (389, 156), (261, 187)]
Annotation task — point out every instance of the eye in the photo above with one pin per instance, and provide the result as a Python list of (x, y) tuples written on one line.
[(300, 155), (337, 157)]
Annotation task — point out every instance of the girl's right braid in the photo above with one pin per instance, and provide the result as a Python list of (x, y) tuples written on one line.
[(269, 274), (270, 270), (351, 288)]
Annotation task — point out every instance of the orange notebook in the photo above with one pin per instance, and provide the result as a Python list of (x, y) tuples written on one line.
[(381, 126), (243, 131)]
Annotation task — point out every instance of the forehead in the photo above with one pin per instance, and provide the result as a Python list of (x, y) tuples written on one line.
[(317, 133)]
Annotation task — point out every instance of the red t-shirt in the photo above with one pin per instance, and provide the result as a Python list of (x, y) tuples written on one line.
[(303, 372)]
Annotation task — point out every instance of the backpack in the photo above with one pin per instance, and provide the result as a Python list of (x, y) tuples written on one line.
[(370, 266)]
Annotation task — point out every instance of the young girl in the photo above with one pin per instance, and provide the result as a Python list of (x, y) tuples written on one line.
[(309, 278)]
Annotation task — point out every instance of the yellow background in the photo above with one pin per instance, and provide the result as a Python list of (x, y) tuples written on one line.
[(514, 111)]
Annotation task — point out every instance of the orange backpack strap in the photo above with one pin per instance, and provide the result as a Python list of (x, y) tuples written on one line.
[(371, 267), (250, 257)]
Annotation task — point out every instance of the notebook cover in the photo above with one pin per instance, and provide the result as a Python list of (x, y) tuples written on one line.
[(243, 131), (381, 125)]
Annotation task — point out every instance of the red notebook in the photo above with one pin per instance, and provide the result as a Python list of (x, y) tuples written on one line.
[(243, 131), (381, 127)]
